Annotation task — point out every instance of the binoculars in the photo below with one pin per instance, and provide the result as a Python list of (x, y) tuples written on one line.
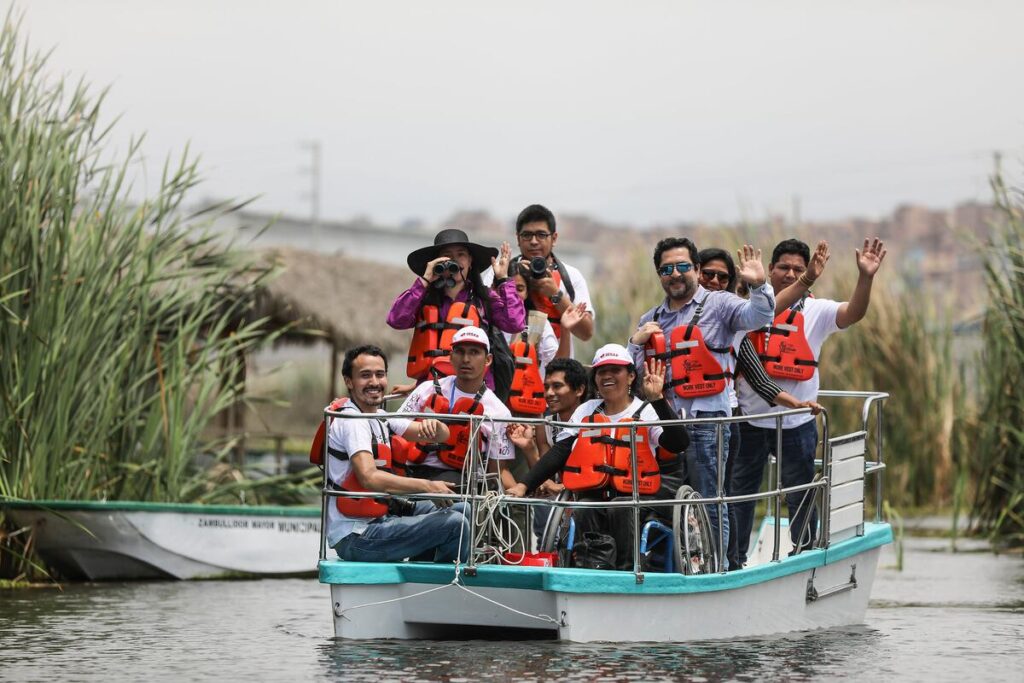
[(446, 268)]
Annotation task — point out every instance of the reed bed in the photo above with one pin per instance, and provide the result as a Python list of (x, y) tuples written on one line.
[(996, 463), (123, 326)]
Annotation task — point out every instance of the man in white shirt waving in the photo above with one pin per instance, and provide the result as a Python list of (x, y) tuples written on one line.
[(359, 459), (792, 360)]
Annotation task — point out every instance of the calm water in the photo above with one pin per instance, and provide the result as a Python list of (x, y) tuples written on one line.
[(945, 617)]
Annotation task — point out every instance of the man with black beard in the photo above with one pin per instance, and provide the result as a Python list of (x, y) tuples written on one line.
[(718, 317)]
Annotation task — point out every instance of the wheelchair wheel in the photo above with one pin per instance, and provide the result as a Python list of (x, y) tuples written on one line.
[(694, 547), (556, 531)]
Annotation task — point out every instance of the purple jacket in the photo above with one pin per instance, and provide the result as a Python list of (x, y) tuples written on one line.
[(507, 309)]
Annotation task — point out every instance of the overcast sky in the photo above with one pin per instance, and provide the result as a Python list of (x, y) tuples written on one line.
[(642, 112)]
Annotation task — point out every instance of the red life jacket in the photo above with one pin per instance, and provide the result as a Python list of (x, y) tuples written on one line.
[(431, 343), (588, 463), (542, 303), (527, 394), (787, 355), (316, 449), (695, 372), (399, 454), (382, 456), (453, 451), (648, 472)]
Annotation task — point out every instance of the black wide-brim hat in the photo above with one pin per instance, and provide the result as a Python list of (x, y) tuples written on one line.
[(482, 255)]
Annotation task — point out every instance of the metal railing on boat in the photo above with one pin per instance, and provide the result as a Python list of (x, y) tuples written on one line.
[(774, 496)]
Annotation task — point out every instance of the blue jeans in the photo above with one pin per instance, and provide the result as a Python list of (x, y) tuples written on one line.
[(798, 447), (442, 534), (702, 469)]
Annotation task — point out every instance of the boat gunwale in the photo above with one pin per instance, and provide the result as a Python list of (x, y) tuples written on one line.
[(573, 580), (183, 508)]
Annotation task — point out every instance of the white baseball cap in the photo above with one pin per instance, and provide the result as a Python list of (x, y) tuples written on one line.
[(612, 354), (472, 335)]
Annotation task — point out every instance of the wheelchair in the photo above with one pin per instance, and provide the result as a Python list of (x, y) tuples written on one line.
[(687, 547)]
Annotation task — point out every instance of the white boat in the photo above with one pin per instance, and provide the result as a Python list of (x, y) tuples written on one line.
[(134, 540), (826, 586)]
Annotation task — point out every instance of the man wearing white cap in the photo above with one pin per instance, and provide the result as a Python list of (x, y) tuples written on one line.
[(616, 381), (462, 392)]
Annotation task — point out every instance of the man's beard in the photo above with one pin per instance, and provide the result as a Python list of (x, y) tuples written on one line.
[(689, 289)]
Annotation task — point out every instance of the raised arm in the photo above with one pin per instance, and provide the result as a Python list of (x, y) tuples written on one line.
[(868, 262)]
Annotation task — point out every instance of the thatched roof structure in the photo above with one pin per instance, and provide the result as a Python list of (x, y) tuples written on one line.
[(345, 299)]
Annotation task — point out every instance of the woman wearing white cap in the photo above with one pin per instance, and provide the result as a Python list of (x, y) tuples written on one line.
[(615, 379)]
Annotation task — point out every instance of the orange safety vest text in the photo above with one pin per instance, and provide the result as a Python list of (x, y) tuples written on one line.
[(787, 355)]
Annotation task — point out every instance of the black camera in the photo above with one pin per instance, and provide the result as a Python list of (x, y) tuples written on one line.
[(446, 268), (400, 507), (538, 267)]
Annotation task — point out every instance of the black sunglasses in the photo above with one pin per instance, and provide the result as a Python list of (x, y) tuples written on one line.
[(712, 274)]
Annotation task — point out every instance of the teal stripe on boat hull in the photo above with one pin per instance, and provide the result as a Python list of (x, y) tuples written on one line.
[(570, 580)]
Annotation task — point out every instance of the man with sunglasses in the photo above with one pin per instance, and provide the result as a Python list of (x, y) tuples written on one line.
[(563, 285), (719, 316)]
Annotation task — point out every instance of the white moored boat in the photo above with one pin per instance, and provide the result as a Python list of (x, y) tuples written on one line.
[(134, 540), (825, 586)]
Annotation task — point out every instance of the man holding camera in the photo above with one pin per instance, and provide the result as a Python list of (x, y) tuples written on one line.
[(359, 459), (555, 286)]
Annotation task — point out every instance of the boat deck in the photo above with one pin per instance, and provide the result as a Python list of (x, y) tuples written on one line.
[(571, 580)]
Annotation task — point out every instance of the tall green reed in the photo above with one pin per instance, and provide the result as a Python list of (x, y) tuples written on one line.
[(996, 462), (122, 325)]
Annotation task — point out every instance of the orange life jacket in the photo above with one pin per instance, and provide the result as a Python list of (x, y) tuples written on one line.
[(695, 371), (786, 355), (382, 456), (453, 451), (648, 473), (543, 304), (527, 394), (601, 456), (431, 343), (588, 463)]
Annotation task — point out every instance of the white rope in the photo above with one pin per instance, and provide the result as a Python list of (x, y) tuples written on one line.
[(538, 617)]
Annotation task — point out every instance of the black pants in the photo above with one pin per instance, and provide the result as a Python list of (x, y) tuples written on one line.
[(617, 522)]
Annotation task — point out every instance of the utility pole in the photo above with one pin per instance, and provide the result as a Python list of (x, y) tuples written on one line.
[(314, 171)]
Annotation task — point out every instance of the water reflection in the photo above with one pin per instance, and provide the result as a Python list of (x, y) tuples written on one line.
[(797, 656)]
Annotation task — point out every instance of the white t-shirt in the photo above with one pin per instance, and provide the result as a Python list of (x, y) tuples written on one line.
[(498, 446), (819, 323), (547, 347), (352, 436), (588, 407), (580, 292)]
